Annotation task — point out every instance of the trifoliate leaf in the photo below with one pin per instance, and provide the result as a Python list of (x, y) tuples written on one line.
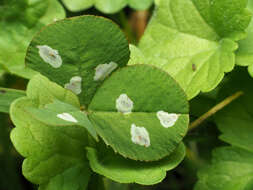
[(138, 118), (7, 96), (62, 114), (15, 34), (106, 6), (244, 54), (231, 168), (79, 53), (105, 162), (124, 105), (194, 40), (53, 153)]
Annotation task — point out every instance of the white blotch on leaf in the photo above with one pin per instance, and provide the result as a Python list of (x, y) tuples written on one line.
[(75, 85), (167, 119), (140, 135), (67, 117), (50, 56), (103, 70), (124, 104)]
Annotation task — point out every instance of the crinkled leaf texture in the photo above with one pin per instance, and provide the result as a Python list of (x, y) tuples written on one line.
[(105, 162), (232, 167), (15, 34), (244, 54), (106, 6), (55, 155), (194, 40)]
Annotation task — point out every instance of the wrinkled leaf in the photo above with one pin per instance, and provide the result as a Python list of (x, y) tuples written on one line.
[(52, 153), (195, 40), (244, 54)]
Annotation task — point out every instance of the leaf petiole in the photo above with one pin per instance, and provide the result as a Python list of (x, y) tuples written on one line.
[(215, 109)]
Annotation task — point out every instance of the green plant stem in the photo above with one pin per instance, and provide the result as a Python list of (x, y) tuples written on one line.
[(215, 109)]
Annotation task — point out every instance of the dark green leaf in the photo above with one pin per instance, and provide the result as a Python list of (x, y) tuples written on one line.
[(83, 43)]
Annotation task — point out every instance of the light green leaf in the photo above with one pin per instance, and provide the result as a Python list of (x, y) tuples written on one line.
[(16, 34), (136, 56), (232, 167), (54, 12), (78, 5), (139, 83), (194, 40), (105, 162), (244, 54), (83, 45), (140, 5), (73, 178), (62, 114), (13, 48), (138, 118), (7, 96), (106, 6), (110, 6), (52, 153)]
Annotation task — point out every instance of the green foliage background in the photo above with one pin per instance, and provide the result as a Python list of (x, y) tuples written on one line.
[(205, 45)]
